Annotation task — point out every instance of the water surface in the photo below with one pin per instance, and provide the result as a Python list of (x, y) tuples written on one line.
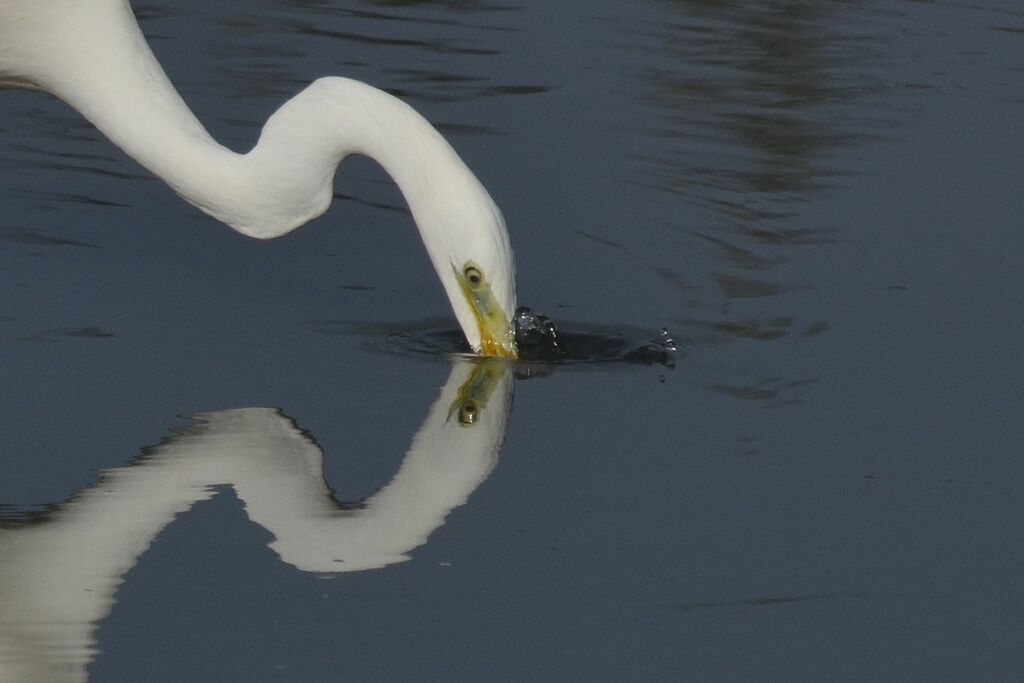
[(821, 203)]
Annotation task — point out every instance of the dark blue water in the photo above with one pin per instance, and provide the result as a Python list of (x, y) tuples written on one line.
[(821, 202)]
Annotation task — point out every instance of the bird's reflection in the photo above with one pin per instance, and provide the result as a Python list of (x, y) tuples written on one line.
[(60, 570)]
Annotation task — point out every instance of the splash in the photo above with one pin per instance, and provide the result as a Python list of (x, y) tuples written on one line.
[(543, 344), (536, 335), (539, 339)]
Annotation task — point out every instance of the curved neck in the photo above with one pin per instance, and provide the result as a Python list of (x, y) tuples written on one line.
[(92, 55), (106, 70), (301, 145)]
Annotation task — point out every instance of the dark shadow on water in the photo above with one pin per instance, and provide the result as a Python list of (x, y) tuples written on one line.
[(757, 103), (37, 238), (583, 344), (54, 335), (768, 601)]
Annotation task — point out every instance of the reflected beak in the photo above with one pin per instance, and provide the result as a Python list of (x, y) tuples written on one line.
[(474, 393), (497, 338)]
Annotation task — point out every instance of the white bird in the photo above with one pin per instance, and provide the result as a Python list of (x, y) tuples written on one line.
[(93, 55)]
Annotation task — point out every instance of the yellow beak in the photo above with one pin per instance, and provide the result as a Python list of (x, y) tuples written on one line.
[(497, 338)]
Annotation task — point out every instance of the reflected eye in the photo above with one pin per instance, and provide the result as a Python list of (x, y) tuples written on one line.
[(473, 276), (468, 413)]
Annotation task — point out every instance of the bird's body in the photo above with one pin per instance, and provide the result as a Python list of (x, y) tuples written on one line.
[(92, 55)]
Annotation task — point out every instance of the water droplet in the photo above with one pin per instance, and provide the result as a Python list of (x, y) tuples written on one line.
[(536, 335), (666, 340)]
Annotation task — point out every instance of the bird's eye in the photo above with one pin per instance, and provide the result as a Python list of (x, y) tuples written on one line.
[(473, 276), (468, 413)]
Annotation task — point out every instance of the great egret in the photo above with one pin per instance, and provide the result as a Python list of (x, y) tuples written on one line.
[(93, 55)]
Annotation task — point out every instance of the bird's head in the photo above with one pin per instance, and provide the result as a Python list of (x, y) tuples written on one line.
[(461, 227), (469, 246), (482, 309)]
